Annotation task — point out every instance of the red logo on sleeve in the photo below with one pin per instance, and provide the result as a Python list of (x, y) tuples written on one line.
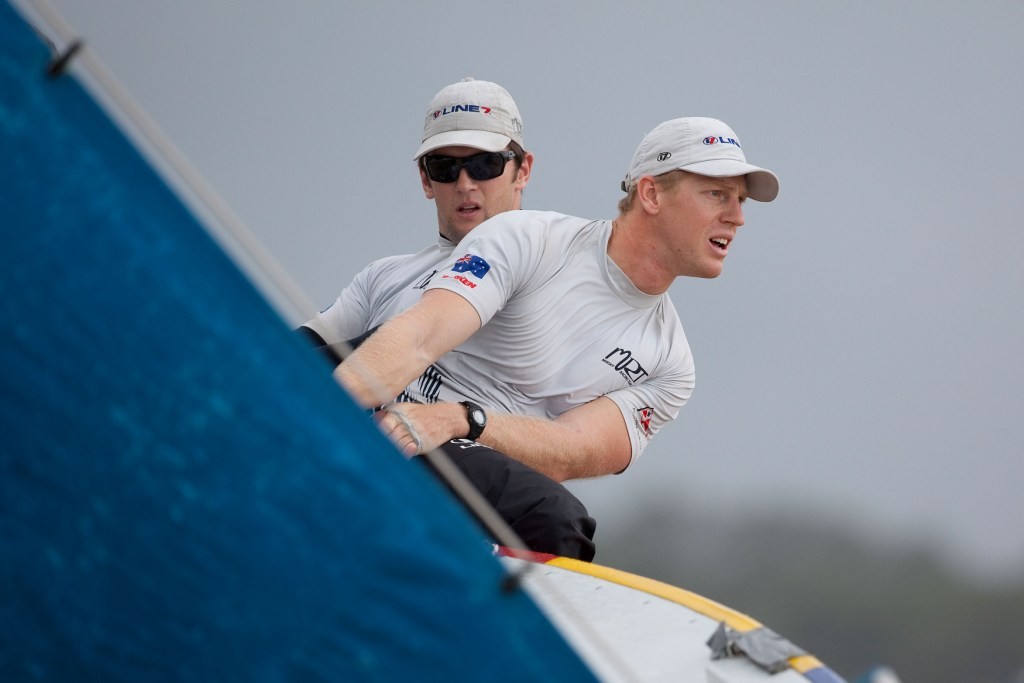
[(460, 278), (643, 418)]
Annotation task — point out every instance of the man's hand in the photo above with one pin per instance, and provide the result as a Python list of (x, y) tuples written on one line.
[(417, 428)]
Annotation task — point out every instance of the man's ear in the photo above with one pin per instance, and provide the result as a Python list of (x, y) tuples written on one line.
[(648, 194), (523, 176), (428, 187)]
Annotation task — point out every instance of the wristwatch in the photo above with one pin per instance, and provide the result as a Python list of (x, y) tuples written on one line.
[(477, 419)]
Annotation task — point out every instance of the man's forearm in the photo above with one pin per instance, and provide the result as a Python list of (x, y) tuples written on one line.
[(405, 346), (572, 447), (384, 364), (588, 441)]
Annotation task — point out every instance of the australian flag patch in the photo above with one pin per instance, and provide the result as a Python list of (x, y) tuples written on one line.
[(472, 264)]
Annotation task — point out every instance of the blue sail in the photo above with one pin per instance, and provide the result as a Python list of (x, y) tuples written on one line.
[(185, 494)]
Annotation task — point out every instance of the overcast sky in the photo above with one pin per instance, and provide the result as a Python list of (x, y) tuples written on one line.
[(861, 352)]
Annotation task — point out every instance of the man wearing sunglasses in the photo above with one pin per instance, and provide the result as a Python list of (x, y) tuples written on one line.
[(568, 320), (473, 166)]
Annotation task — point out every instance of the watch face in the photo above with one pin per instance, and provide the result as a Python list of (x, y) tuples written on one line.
[(479, 417)]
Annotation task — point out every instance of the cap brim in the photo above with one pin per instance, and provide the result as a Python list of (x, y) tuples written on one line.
[(762, 184), (479, 139)]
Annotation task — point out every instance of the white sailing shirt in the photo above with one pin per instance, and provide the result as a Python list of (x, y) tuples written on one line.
[(562, 325)]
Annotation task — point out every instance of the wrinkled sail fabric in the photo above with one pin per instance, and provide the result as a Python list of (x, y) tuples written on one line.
[(184, 493)]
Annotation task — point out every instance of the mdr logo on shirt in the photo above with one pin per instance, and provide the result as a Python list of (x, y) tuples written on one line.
[(471, 264)]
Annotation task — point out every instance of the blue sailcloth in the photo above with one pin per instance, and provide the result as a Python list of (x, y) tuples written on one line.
[(185, 494)]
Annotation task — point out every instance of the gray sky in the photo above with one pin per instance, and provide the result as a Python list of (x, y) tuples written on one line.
[(859, 357)]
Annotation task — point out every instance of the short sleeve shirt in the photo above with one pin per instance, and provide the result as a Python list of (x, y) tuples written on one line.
[(562, 325)]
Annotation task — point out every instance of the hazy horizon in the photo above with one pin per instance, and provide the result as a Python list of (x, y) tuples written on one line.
[(858, 358)]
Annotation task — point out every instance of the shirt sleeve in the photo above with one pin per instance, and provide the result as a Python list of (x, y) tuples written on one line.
[(494, 262), (650, 405), (349, 315)]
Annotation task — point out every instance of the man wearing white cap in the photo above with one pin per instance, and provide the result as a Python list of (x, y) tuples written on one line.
[(472, 164), (568, 320), (472, 130)]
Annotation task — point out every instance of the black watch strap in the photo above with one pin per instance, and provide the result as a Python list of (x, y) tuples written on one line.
[(477, 419)]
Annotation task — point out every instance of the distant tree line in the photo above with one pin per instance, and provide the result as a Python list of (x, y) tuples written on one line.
[(850, 603)]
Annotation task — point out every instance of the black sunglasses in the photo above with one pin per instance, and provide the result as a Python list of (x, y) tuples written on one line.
[(482, 166)]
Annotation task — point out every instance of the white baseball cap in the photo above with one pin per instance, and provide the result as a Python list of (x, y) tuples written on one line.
[(472, 113), (703, 146)]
